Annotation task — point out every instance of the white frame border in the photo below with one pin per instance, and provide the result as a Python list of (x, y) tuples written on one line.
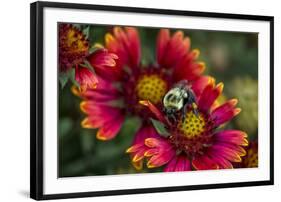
[(54, 185)]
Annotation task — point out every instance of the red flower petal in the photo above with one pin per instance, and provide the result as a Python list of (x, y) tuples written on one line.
[(151, 152), (236, 148), (102, 59), (187, 68), (93, 108), (162, 152), (204, 163), (171, 50), (139, 149), (134, 148), (177, 48), (133, 46), (209, 95), (145, 131), (85, 78), (161, 158), (226, 152), (138, 165), (179, 163), (126, 45), (232, 136), (108, 119), (229, 105), (170, 167), (101, 97), (105, 91), (137, 154), (225, 112), (155, 142), (107, 86), (221, 162), (201, 83), (162, 41), (154, 110), (104, 63), (110, 129)]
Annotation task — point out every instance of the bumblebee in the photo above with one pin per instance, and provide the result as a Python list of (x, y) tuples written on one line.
[(178, 99)]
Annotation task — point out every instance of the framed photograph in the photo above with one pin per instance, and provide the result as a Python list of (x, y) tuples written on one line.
[(135, 100)]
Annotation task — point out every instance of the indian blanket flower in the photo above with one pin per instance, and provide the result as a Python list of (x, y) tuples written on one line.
[(73, 46), (197, 142), (251, 159), (74, 50), (130, 81)]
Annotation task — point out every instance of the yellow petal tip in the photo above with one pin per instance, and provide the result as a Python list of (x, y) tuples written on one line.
[(99, 136), (82, 106), (144, 102), (85, 124), (237, 111), (75, 91), (149, 165), (108, 38), (196, 53), (233, 102), (137, 158), (98, 45), (138, 165), (220, 86), (128, 150)]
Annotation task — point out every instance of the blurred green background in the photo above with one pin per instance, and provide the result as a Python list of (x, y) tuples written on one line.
[(230, 57)]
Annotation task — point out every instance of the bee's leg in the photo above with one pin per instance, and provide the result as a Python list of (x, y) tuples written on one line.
[(174, 118), (195, 110), (192, 102), (184, 111)]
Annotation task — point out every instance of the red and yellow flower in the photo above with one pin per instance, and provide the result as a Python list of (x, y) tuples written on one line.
[(130, 81), (250, 160), (197, 142), (74, 50), (73, 46)]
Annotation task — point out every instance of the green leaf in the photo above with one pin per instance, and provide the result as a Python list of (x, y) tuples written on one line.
[(86, 31), (63, 78), (65, 125), (87, 142), (119, 103), (71, 76), (78, 26), (88, 65), (130, 126), (160, 128), (93, 49)]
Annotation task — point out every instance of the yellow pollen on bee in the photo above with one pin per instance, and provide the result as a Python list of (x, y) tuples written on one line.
[(151, 87), (192, 126)]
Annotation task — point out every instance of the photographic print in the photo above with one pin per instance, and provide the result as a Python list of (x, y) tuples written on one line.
[(141, 100), (133, 100)]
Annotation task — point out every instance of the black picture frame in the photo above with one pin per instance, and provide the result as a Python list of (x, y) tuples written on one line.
[(37, 101)]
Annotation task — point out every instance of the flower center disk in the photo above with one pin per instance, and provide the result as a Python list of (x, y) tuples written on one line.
[(76, 41), (192, 135), (151, 87), (251, 160), (192, 126)]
